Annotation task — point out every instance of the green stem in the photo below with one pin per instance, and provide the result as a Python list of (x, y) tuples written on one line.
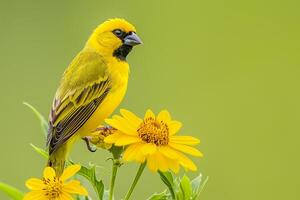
[(168, 184), (117, 154), (116, 164), (137, 177)]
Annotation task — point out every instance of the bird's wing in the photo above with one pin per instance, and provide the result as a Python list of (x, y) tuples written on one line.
[(84, 86)]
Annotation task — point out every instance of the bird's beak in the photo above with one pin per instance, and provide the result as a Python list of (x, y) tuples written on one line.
[(132, 39)]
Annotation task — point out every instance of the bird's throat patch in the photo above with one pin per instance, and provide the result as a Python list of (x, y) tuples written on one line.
[(122, 52)]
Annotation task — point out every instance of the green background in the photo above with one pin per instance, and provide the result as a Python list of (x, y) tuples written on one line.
[(229, 70)]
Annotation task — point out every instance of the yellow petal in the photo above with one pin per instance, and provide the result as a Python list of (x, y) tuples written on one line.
[(164, 116), (69, 172), (152, 163), (36, 195), (130, 126), (148, 148), (49, 173), (168, 152), (174, 127), (131, 117), (186, 149), (157, 161), (123, 127), (189, 140), (126, 139), (65, 196), (74, 187), (162, 162), (129, 152), (174, 165), (149, 114), (186, 162), (140, 157), (133, 152), (112, 138), (35, 184)]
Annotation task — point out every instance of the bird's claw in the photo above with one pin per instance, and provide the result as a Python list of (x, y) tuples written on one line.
[(88, 145)]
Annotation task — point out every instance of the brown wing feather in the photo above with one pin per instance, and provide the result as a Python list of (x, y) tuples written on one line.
[(84, 86), (61, 130)]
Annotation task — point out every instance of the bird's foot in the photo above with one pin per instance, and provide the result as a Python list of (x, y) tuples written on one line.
[(88, 145)]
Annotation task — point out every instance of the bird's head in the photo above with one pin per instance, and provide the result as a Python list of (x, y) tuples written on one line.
[(114, 37)]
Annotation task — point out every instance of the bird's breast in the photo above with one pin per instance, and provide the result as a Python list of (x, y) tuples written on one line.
[(119, 80), (118, 72)]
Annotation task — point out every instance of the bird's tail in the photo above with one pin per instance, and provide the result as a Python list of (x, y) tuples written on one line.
[(57, 159)]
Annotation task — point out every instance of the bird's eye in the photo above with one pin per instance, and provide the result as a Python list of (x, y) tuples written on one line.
[(118, 32)]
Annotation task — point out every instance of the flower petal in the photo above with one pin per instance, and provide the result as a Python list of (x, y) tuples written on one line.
[(168, 152), (187, 163), (74, 187), (131, 117), (174, 165), (162, 162), (186, 149), (69, 172), (164, 116), (36, 195), (189, 140), (149, 114), (148, 148), (157, 161), (134, 152), (152, 163), (35, 184), (65, 196), (121, 125), (127, 124), (140, 157), (126, 139), (129, 152), (49, 173), (112, 138), (174, 127)]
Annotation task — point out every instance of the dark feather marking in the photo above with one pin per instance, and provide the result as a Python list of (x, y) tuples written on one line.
[(122, 52), (72, 122)]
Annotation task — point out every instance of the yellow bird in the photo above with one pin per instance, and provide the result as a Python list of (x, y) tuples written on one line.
[(91, 88)]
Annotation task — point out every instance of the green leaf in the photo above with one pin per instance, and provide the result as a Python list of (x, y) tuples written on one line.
[(159, 196), (196, 195), (179, 195), (106, 195), (182, 188), (186, 188), (196, 183), (40, 151), (12, 192), (43, 122), (167, 178), (90, 175)]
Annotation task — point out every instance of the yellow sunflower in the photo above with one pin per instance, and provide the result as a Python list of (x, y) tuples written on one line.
[(153, 139), (52, 187)]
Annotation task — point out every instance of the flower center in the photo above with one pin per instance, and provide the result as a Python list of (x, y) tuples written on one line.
[(153, 131), (53, 188)]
